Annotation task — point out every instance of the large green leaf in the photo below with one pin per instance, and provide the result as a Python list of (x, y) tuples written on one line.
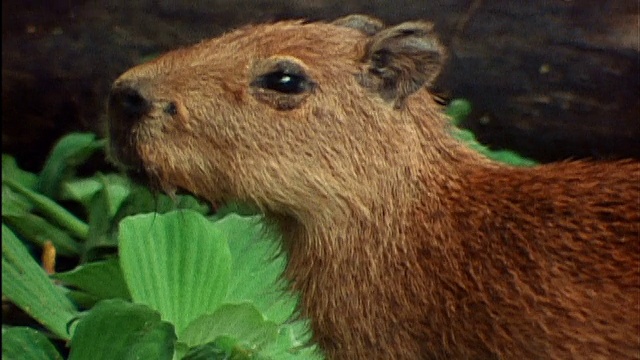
[(257, 267), (118, 330), (29, 287), (102, 279), (68, 153), (242, 322), (177, 263), (23, 343), (257, 278)]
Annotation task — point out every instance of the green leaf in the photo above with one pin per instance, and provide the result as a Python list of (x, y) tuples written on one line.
[(83, 190), (38, 230), (177, 263), (189, 202), (292, 344), (223, 348), (82, 299), (181, 350), (118, 330), (458, 110), (68, 153), (209, 351), (24, 343), (257, 278), (100, 221), (511, 157), (11, 170), (28, 286), (257, 267), (142, 200), (102, 279), (238, 208), (504, 156), (14, 203), (51, 209), (242, 321)]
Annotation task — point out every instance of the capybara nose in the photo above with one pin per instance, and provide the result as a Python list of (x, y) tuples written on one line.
[(126, 103)]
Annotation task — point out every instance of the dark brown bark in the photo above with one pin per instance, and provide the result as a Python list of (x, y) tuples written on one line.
[(553, 80)]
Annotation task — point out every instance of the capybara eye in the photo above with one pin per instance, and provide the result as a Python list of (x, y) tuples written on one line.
[(284, 82), (281, 82)]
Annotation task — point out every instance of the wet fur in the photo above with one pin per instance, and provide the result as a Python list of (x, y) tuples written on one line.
[(403, 243)]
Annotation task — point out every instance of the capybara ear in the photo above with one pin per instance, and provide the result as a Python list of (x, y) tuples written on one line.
[(401, 59), (366, 24)]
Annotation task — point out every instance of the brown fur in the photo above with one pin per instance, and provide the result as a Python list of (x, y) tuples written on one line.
[(404, 243)]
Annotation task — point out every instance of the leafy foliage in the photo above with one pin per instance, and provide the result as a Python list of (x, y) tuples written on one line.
[(155, 278)]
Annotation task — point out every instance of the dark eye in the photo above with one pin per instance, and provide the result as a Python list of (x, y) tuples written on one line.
[(284, 82)]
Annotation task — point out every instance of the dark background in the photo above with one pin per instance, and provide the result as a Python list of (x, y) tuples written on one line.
[(552, 79)]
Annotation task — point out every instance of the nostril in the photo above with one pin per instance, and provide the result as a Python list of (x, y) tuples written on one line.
[(128, 102)]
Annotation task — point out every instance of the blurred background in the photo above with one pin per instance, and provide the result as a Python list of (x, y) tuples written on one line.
[(553, 79)]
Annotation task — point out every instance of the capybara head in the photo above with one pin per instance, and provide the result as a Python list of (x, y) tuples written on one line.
[(292, 116)]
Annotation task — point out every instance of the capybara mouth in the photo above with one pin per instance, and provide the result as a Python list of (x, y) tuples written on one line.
[(132, 166), (126, 110)]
